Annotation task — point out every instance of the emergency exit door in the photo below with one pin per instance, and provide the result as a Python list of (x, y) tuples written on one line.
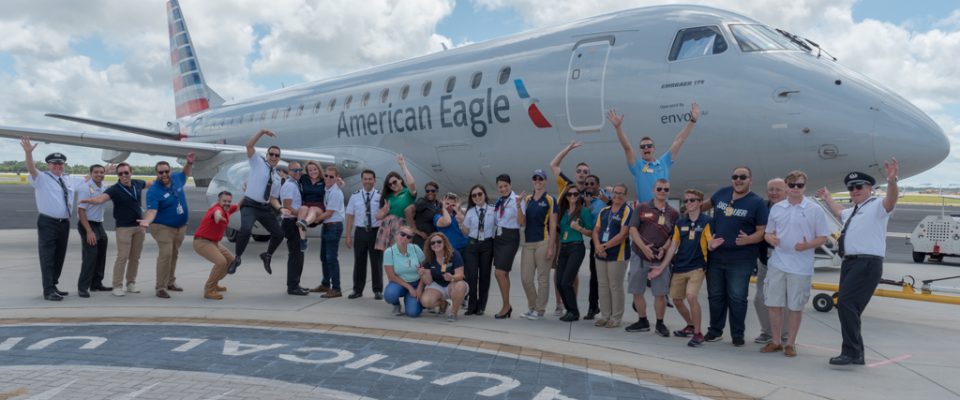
[(585, 77)]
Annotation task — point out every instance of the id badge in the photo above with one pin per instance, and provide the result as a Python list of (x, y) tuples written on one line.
[(661, 220), (606, 237), (728, 212), (565, 235), (179, 209), (499, 231), (691, 235)]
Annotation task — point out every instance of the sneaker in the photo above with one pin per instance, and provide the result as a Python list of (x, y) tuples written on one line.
[(641, 325), (711, 337), (696, 341), (397, 310), (685, 332), (534, 315), (738, 342), (771, 348), (612, 323), (132, 288), (662, 330), (451, 318), (118, 292), (591, 313), (600, 322), (763, 339), (559, 311)]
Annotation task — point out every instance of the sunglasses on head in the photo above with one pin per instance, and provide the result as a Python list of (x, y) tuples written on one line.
[(406, 235), (164, 172), (272, 154), (690, 200), (741, 177), (798, 185), (432, 242), (646, 146), (477, 195), (663, 189), (123, 173), (851, 188)]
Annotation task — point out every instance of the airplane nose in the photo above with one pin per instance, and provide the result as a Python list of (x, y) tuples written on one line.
[(905, 132)]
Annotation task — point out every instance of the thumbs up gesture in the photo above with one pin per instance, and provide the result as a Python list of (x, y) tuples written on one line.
[(742, 238), (802, 245)]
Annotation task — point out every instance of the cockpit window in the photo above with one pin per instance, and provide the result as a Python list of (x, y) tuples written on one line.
[(761, 38), (697, 42)]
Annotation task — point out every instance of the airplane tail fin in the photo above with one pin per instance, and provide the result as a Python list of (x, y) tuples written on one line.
[(189, 87)]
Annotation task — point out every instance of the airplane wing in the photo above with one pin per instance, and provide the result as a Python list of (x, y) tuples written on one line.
[(145, 145)]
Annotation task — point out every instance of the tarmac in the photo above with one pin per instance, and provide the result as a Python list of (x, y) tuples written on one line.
[(911, 346)]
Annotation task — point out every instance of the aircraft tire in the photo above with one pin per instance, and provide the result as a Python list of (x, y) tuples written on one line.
[(823, 302), (918, 257), (231, 235)]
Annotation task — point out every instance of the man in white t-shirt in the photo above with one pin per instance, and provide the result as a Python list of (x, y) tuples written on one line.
[(795, 228), (260, 201), (862, 244)]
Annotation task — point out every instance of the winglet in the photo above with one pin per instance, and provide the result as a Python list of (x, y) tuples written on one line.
[(191, 93)]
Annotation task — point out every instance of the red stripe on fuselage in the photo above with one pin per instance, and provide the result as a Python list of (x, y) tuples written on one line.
[(537, 117), (191, 107)]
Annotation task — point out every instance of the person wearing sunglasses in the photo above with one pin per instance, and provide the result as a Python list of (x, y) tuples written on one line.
[(313, 189), (612, 243), (396, 208), (651, 229), (332, 219), (424, 209), (291, 200), (649, 168), (776, 192), (576, 222), (403, 262), (206, 242), (795, 228), (506, 241), (596, 197), (539, 217), (449, 220), (739, 217), (862, 245), (360, 220), (167, 216), (127, 197), (260, 201), (479, 225), (443, 278), (583, 169)]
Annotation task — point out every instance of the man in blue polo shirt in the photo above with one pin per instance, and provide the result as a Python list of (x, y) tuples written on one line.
[(168, 213), (740, 217), (648, 169)]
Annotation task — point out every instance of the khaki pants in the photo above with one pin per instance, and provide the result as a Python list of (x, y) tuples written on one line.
[(534, 262), (129, 247), (218, 255), (168, 240), (610, 287)]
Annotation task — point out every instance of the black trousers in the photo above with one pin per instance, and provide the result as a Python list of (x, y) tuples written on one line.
[(363, 246), (52, 237), (478, 264), (858, 279), (94, 257), (568, 266), (593, 296), (267, 219), (295, 257)]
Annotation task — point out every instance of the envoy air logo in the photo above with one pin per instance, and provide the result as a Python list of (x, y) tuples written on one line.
[(531, 104)]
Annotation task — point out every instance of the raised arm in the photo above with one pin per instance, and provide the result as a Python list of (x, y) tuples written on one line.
[(617, 121), (187, 169), (685, 132), (252, 143), (555, 163), (28, 156), (411, 184), (835, 208), (444, 220), (893, 192)]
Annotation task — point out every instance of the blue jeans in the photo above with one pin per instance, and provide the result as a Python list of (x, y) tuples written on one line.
[(728, 283), (329, 245), (393, 292)]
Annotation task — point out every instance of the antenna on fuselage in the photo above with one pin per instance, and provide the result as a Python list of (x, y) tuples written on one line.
[(444, 46)]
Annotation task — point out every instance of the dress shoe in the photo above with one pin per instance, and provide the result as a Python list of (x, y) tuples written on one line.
[(174, 288), (83, 293), (846, 360), (569, 317), (470, 312), (60, 292), (298, 292), (504, 315), (232, 268), (211, 294), (355, 295), (163, 294), (53, 297), (321, 289), (266, 257), (591, 313), (377, 296), (771, 348), (332, 293), (101, 288)]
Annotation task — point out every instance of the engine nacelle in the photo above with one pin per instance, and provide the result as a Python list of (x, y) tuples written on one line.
[(114, 156)]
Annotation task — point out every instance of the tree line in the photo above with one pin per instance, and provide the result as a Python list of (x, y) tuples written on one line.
[(20, 167)]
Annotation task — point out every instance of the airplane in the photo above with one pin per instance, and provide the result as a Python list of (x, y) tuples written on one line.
[(769, 99)]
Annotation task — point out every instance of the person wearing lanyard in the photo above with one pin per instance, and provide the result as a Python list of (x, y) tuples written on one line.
[(53, 191), (92, 235), (650, 231), (583, 169), (479, 225), (206, 242), (739, 217), (127, 197), (862, 245), (648, 168), (291, 202), (363, 204), (507, 240), (612, 243), (449, 221), (396, 208), (260, 202), (167, 216), (596, 198), (423, 211), (539, 217), (330, 236), (442, 279), (575, 222), (402, 262)]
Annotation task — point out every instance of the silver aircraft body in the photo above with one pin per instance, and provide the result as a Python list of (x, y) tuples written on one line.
[(770, 100)]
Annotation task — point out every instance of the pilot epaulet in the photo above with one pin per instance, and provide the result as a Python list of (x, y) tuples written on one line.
[(358, 191)]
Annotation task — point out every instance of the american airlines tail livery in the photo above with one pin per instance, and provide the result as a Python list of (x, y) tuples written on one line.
[(770, 100)]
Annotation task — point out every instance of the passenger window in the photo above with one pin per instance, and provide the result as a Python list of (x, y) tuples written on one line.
[(404, 91), (697, 42), (275, 112), (286, 114), (316, 108), (477, 78), (451, 83), (346, 103), (504, 75), (300, 110), (425, 90), (263, 115), (365, 99), (384, 95), (331, 104)]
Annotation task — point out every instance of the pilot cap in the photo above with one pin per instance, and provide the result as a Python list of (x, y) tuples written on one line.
[(540, 173), (855, 178), (56, 158)]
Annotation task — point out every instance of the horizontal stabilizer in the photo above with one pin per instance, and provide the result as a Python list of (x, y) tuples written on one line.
[(154, 133)]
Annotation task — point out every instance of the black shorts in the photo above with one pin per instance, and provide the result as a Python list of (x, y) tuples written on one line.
[(505, 249)]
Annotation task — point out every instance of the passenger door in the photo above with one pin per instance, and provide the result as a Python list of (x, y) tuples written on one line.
[(584, 83)]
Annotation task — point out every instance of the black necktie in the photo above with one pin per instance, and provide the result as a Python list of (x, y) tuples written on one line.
[(66, 203), (266, 191), (843, 232), (366, 203), (483, 212)]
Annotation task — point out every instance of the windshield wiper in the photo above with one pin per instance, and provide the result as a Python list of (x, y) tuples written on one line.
[(805, 43), (820, 49)]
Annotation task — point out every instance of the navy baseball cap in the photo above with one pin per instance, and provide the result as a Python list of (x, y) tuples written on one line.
[(540, 173)]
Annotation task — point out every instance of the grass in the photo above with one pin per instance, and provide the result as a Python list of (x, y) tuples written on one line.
[(7, 178)]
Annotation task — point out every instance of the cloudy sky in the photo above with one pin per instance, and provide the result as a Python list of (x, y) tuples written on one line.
[(108, 59)]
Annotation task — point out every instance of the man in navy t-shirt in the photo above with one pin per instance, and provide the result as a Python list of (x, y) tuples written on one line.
[(739, 217)]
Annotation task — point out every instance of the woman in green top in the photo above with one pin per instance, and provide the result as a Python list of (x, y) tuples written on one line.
[(396, 201), (575, 223)]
